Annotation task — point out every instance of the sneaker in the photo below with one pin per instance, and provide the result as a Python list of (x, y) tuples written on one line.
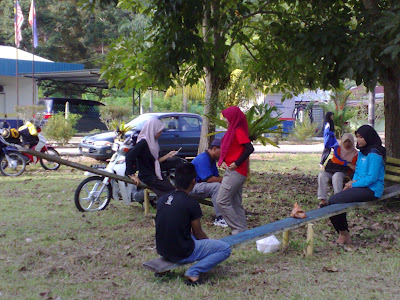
[(220, 222)]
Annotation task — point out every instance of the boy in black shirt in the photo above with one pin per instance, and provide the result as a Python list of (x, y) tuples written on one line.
[(179, 236)]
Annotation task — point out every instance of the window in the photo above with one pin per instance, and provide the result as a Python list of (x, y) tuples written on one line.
[(170, 123), (190, 124)]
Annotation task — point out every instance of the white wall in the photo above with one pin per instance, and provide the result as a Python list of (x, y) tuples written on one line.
[(8, 98)]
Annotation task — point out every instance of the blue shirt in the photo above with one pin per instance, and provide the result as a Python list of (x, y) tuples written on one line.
[(205, 167), (370, 172), (329, 137)]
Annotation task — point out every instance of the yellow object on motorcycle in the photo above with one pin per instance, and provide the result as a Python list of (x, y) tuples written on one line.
[(10, 133), (32, 128)]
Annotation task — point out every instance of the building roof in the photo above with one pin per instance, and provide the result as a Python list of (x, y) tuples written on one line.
[(89, 77), (9, 52), (26, 64)]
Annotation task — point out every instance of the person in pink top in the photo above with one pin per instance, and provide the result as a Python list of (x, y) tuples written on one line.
[(235, 151)]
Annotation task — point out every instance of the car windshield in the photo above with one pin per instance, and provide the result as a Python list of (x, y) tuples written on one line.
[(138, 122)]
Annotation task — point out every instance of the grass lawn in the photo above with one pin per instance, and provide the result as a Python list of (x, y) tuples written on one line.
[(49, 250)]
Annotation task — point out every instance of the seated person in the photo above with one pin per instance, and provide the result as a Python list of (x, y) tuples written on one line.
[(145, 158), (342, 164), (367, 183), (179, 236), (208, 179)]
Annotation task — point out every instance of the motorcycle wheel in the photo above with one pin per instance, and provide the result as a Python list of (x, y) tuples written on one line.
[(92, 194), (17, 167), (50, 165)]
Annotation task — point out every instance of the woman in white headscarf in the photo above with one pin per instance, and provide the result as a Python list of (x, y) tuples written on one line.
[(342, 164), (144, 157)]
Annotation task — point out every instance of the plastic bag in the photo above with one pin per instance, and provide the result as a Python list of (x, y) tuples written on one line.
[(268, 244)]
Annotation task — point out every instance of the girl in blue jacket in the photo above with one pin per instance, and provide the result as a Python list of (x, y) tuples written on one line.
[(329, 138), (367, 183)]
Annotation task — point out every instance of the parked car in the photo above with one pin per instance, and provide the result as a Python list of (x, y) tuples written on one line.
[(181, 130), (88, 110)]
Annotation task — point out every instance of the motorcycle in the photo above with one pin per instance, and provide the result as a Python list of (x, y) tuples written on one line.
[(39, 143), (12, 163), (95, 192), (42, 146)]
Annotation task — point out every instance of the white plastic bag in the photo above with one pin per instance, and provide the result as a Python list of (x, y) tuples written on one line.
[(268, 244)]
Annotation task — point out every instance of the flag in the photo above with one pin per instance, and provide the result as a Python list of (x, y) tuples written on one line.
[(18, 20), (32, 22)]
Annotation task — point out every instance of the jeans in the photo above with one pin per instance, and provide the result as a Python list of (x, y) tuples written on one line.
[(208, 253)]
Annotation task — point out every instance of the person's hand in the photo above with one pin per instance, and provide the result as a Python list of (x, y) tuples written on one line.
[(232, 166), (135, 179), (348, 185), (224, 165), (351, 166), (172, 153)]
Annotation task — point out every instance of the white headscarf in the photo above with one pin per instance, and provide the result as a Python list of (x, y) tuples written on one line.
[(148, 133), (345, 154)]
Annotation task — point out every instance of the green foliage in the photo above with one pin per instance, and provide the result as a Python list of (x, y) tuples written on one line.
[(110, 114), (239, 91), (302, 131), (31, 113), (342, 114), (60, 129), (261, 121)]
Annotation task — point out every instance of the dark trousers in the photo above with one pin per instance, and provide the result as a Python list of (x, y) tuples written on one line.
[(160, 187), (355, 194), (325, 155)]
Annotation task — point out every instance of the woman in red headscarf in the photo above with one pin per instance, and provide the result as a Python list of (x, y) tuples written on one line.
[(235, 151)]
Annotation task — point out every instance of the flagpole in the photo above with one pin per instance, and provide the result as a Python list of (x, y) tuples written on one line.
[(16, 76), (33, 74)]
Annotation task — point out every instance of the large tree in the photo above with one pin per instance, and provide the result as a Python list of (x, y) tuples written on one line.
[(290, 45)]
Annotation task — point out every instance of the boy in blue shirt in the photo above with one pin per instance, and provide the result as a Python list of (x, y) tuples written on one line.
[(208, 180)]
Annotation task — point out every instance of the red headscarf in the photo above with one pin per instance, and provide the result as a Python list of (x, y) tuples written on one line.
[(236, 119)]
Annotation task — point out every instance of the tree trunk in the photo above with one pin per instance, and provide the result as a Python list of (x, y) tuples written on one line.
[(391, 84), (210, 108), (184, 99), (151, 101), (371, 108)]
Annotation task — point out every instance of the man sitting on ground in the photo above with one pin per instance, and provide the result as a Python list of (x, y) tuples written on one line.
[(208, 179), (179, 236)]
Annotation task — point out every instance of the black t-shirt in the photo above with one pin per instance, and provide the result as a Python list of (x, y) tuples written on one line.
[(175, 212)]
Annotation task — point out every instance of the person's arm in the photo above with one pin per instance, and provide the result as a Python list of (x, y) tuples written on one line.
[(168, 155), (214, 179), (374, 169), (248, 149), (338, 159), (130, 159), (197, 231)]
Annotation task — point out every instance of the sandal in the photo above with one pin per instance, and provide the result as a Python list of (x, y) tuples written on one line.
[(322, 204), (193, 283)]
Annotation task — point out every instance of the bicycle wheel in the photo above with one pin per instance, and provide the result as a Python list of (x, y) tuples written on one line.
[(50, 165), (92, 194), (16, 165)]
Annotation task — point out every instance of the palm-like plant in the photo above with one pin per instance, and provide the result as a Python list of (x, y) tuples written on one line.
[(260, 120), (341, 111)]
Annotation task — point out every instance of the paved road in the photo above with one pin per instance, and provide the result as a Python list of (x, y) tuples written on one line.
[(315, 148)]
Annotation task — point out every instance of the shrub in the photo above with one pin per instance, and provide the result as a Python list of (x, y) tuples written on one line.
[(113, 113), (31, 113), (60, 129), (304, 130)]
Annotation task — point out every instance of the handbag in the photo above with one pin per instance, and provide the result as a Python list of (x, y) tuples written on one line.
[(332, 168)]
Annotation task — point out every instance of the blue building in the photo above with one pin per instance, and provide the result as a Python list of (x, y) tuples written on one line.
[(20, 90)]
